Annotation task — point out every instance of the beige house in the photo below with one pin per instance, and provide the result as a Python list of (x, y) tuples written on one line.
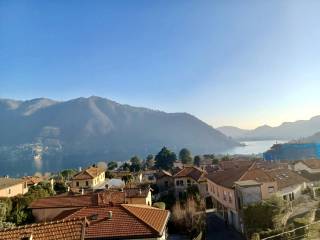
[(138, 196), (88, 178), (187, 177), (10, 187)]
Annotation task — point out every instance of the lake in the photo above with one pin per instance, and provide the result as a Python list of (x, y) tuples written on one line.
[(253, 147)]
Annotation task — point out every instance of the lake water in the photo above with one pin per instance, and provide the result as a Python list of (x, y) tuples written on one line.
[(253, 147)]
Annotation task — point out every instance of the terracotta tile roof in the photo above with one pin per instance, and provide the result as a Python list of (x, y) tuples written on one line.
[(235, 163), (227, 177), (88, 173), (258, 175), (163, 173), (57, 230), (286, 177), (90, 199), (312, 163), (154, 217), (192, 172), (8, 182), (32, 180), (313, 177), (127, 221)]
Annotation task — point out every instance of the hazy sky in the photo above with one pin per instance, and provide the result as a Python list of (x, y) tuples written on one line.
[(242, 63)]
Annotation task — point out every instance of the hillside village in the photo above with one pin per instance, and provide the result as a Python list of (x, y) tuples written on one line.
[(165, 198)]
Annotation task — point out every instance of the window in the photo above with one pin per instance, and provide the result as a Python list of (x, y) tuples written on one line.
[(224, 195), (77, 184), (87, 183), (270, 189), (230, 197), (189, 182), (9, 191), (166, 184), (177, 182)]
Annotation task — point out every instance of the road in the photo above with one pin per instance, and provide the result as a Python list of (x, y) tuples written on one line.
[(218, 231)]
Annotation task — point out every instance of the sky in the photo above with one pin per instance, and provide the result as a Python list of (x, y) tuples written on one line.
[(241, 63)]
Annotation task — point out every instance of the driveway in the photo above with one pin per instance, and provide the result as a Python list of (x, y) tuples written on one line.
[(218, 231)]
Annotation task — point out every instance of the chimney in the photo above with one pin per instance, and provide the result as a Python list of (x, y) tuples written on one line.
[(140, 192), (68, 189), (80, 169), (109, 215), (82, 191)]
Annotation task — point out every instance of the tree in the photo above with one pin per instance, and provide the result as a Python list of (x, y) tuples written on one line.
[(112, 165), (68, 173), (165, 159), (185, 156), (127, 178), (197, 161), (125, 167), (150, 161), (136, 164)]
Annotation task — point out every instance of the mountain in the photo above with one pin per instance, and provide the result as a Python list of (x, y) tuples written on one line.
[(286, 131), (315, 138), (47, 135)]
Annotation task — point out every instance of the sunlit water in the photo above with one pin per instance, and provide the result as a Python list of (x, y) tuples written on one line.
[(253, 147)]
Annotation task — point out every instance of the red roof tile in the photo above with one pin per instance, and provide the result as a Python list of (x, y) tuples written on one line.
[(58, 230)]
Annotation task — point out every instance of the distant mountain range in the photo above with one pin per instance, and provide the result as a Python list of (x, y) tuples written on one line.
[(286, 131), (47, 135)]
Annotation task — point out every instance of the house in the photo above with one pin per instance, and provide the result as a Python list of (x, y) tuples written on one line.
[(91, 177), (164, 181), (234, 188), (10, 187), (138, 196), (47, 209), (290, 184), (73, 229), (187, 177), (123, 221), (310, 165)]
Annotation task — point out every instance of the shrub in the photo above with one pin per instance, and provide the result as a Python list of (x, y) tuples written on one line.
[(160, 205)]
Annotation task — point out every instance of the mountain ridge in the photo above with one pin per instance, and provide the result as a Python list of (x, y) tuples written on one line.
[(285, 131), (84, 130)]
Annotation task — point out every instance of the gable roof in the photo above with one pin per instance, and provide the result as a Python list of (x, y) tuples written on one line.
[(258, 175), (136, 192), (88, 173), (312, 163), (190, 171), (286, 177), (72, 229), (228, 177), (127, 221), (8, 182), (90, 199)]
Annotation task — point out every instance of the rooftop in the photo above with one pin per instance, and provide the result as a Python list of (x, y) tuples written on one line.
[(312, 163), (8, 182), (190, 171), (88, 173), (56, 230), (123, 221)]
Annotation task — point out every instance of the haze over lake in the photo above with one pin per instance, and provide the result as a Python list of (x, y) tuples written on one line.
[(253, 147)]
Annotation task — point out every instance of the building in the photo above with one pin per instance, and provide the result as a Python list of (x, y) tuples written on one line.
[(73, 229), (47, 209), (138, 196), (289, 184), (164, 181), (310, 165), (123, 221), (234, 188), (91, 177), (187, 177), (10, 187)]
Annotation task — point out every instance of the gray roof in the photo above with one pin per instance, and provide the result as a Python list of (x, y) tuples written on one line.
[(8, 182)]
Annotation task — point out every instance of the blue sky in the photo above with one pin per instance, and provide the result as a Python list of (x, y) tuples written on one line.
[(242, 63)]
